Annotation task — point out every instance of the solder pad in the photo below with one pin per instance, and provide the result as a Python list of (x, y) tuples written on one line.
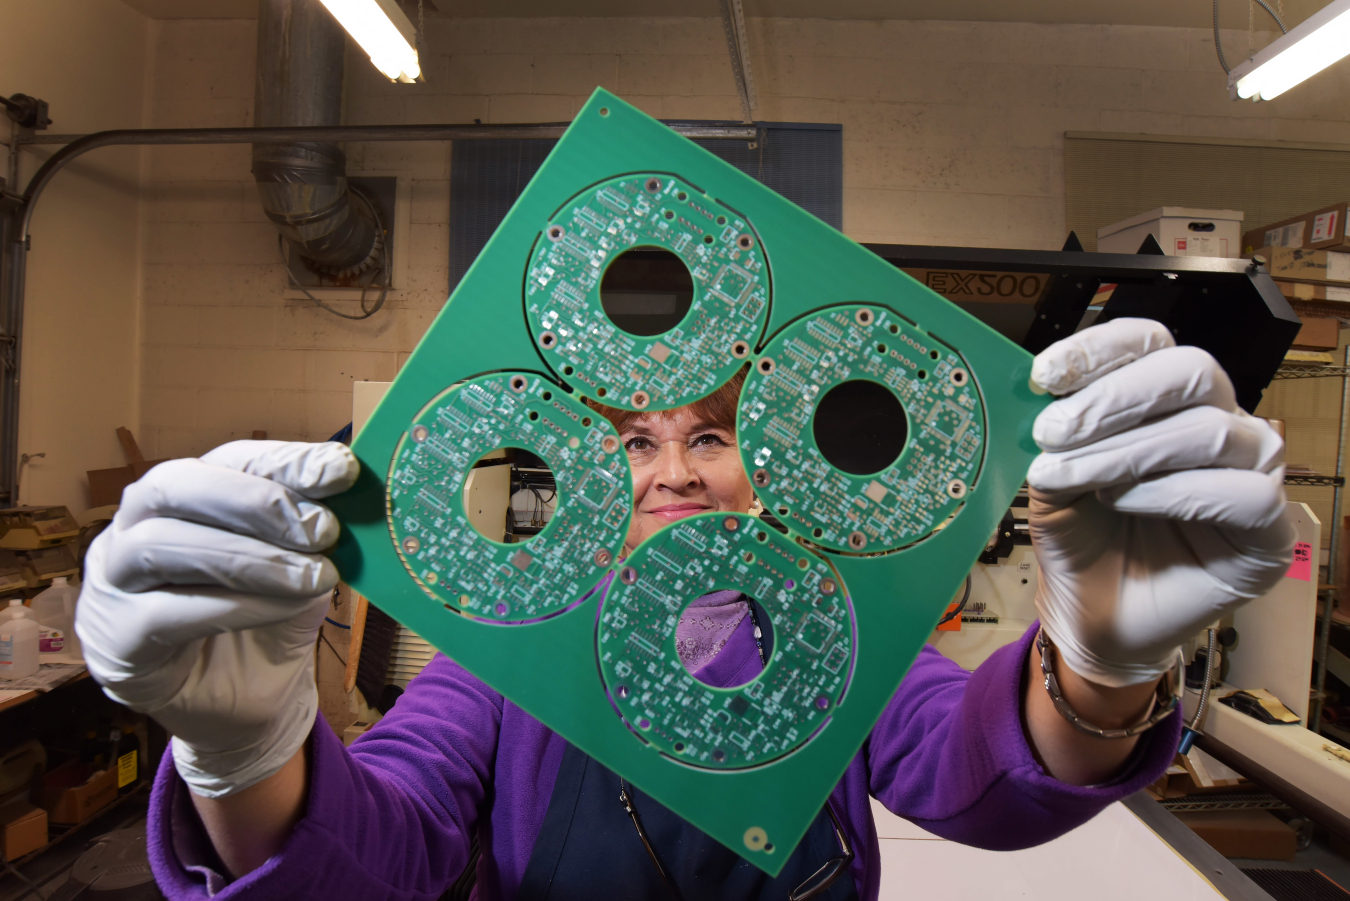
[(562, 292), (448, 557), (556, 651), (725, 728), (840, 510)]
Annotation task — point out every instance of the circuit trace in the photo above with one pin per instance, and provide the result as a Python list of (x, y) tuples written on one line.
[(867, 537)]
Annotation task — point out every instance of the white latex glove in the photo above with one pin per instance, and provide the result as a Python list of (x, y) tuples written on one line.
[(1157, 505), (203, 599)]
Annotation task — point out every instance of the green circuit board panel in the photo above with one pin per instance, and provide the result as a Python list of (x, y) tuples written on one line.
[(725, 728), (578, 628), (879, 511), (453, 562), (648, 210)]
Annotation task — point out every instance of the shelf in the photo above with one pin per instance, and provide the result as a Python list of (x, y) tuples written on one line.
[(34, 694)]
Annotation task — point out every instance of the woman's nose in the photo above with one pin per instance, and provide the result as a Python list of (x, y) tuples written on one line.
[(673, 469)]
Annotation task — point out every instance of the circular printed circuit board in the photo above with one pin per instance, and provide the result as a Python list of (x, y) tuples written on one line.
[(646, 210), (943, 431), (725, 728), (452, 560)]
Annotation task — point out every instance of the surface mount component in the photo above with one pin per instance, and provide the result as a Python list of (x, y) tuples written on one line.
[(885, 505)]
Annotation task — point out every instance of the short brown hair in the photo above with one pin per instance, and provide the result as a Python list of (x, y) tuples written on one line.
[(718, 408)]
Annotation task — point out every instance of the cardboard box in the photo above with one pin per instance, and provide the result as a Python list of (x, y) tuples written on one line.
[(1318, 334), (1250, 834), (1181, 231), (23, 829), (1311, 291), (1324, 229), (75, 791), (1327, 267)]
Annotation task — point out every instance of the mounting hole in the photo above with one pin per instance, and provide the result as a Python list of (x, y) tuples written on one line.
[(718, 755), (681, 196), (860, 427), (483, 505), (604, 111), (740, 350), (647, 290), (708, 239), (803, 563), (679, 747), (601, 392), (857, 541), (766, 365), (669, 214), (881, 349), (609, 444), (934, 354), (781, 511), (695, 654), (863, 316), (654, 185), (546, 396), (959, 377), (895, 329), (568, 370), (420, 433), (518, 383), (548, 340), (760, 477), (957, 489), (533, 415), (721, 220), (745, 242), (761, 537), (748, 557), (628, 575), (817, 533), (585, 422), (555, 232), (640, 399), (922, 373)]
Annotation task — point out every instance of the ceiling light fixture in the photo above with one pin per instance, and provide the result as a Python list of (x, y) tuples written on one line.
[(1321, 40), (384, 32)]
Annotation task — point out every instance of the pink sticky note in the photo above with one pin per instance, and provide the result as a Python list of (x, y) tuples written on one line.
[(1302, 566)]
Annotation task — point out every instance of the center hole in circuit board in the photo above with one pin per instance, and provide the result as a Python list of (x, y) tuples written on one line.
[(705, 628), (646, 291), (510, 495), (860, 427)]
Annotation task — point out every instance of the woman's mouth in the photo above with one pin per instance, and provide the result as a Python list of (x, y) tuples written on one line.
[(672, 512)]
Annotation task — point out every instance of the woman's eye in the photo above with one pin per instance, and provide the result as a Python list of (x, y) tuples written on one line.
[(636, 445), (709, 440)]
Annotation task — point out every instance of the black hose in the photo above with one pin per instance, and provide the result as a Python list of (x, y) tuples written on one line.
[(954, 613)]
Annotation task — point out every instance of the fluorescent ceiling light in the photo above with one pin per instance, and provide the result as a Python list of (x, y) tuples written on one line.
[(1323, 39), (383, 31)]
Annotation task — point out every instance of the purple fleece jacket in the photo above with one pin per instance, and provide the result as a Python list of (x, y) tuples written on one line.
[(391, 817)]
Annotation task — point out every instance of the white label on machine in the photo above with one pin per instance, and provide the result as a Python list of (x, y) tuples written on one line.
[(1324, 226), (1341, 294), (1288, 236)]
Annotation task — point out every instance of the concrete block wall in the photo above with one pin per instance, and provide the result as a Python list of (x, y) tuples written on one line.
[(953, 134)]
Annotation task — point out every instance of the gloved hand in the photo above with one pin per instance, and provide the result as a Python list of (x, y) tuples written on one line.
[(203, 599), (1157, 505)]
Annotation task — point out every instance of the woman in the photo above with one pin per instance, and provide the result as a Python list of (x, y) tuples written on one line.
[(1157, 506)]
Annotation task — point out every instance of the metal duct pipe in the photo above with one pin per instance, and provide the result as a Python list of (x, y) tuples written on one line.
[(304, 186)]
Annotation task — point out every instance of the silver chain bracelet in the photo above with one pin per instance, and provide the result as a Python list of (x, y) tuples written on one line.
[(1164, 702)]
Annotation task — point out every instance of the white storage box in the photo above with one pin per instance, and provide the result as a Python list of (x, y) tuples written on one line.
[(1181, 231)]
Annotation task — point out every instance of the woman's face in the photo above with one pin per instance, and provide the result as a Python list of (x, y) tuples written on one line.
[(682, 465)]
